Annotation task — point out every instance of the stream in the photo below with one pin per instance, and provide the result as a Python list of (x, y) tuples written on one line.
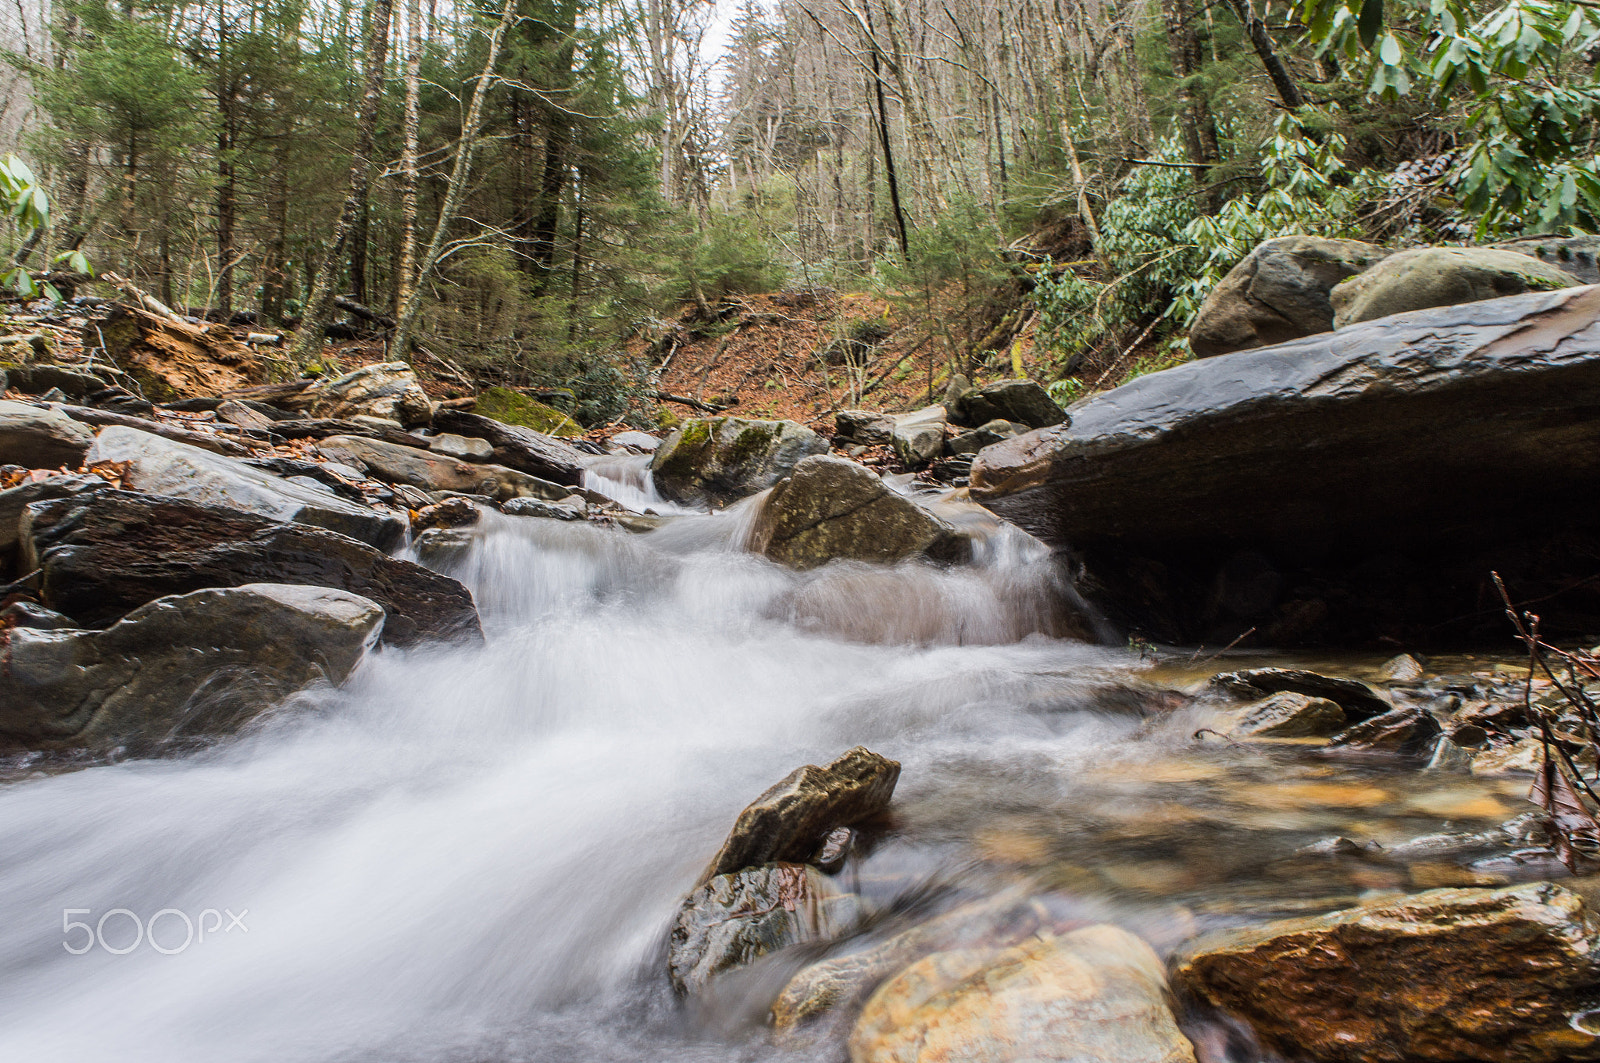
[(474, 853)]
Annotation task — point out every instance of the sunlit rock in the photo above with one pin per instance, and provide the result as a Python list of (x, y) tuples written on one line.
[(1502, 976), (1291, 715), (1096, 995)]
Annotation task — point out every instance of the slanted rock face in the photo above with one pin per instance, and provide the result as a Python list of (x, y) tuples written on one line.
[(105, 553), (187, 666), (830, 509), (789, 822), (1451, 974), (520, 448), (1441, 276), (161, 467), (37, 438), (408, 465), (1279, 292), (1336, 460), (1357, 700), (1022, 401), (989, 432), (724, 459), (735, 919), (1289, 715), (1096, 995), (388, 390)]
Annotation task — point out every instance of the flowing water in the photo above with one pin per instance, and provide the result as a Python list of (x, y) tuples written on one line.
[(474, 853)]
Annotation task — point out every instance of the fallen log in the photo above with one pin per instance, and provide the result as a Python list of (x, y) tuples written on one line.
[(365, 313), (291, 395), (522, 449), (170, 358), (322, 428)]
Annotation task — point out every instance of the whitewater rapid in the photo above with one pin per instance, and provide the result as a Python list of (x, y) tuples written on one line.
[(473, 853)]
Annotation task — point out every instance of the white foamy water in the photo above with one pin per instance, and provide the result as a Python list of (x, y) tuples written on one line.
[(474, 853)]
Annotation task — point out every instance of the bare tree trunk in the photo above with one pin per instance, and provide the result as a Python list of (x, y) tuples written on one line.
[(408, 156), (319, 304), (1261, 40), (457, 188)]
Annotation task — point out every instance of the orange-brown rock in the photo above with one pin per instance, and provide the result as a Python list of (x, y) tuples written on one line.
[(1095, 995), (1505, 975)]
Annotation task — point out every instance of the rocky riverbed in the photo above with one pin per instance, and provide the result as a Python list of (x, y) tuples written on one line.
[(725, 746)]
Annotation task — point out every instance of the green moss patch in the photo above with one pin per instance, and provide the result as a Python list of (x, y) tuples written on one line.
[(513, 407)]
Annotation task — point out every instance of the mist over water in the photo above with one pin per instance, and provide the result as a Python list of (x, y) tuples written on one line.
[(475, 853)]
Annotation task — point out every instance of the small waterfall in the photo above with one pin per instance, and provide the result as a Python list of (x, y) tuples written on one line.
[(626, 478)]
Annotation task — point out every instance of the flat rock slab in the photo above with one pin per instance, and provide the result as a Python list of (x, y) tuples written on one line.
[(106, 553), (162, 467), (1456, 428), (790, 820), (1451, 974), (191, 666)]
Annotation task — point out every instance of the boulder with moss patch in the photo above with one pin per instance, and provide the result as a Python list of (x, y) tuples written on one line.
[(724, 459), (1441, 276), (513, 407)]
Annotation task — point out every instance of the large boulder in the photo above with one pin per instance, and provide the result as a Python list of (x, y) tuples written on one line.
[(431, 471), (1333, 489), (16, 499), (1096, 995), (830, 508), (105, 553), (1278, 293), (1441, 276), (866, 427), (388, 390), (787, 823), (190, 666), (735, 919), (918, 436), (724, 459), (1577, 255), (515, 408), (1503, 976), (159, 466), (39, 438), (1021, 401)]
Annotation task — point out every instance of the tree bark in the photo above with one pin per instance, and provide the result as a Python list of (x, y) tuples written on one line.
[(408, 156), (319, 307), (457, 187), (1261, 40)]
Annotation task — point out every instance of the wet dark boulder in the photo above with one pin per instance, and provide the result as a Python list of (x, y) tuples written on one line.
[(1499, 976), (1340, 489), (106, 553), (830, 509), (1358, 700), (187, 667), (519, 448), (790, 821)]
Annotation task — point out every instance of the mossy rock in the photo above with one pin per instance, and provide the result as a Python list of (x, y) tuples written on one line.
[(723, 459), (513, 407)]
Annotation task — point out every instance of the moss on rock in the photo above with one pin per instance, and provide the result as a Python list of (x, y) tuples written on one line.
[(513, 407)]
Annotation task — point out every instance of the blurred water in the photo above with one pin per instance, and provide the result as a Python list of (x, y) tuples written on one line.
[(474, 853)]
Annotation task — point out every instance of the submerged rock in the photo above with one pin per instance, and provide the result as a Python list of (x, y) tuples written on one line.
[(1348, 468), (735, 919), (724, 459), (162, 467), (789, 822), (1022, 401), (1279, 292), (105, 553), (830, 508), (1441, 276), (38, 438), (1096, 995), (1502, 976), (192, 665)]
